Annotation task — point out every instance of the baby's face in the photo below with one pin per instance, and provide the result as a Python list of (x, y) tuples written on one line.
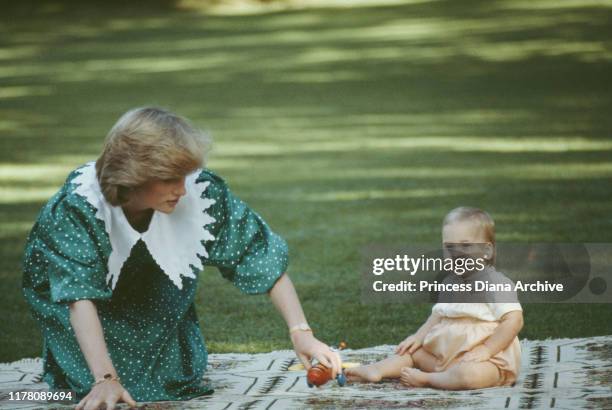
[(462, 232), (464, 239)]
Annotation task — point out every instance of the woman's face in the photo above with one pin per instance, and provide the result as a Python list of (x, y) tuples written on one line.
[(160, 195)]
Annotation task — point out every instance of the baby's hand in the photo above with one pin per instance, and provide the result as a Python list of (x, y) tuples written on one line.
[(478, 354), (410, 345)]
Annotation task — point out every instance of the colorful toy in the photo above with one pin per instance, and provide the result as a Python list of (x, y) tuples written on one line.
[(319, 374), (299, 366)]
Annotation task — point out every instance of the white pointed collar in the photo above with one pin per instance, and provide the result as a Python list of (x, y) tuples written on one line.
[(174, 240)]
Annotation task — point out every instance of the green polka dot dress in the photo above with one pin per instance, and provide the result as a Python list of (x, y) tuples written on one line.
[(143, 284)]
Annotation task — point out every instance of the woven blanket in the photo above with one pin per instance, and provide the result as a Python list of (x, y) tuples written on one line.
[(559, 373)]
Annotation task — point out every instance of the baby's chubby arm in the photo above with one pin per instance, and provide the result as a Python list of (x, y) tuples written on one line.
[(510, 325), (412, 343)]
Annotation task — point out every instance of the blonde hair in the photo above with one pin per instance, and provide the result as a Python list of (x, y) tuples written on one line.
[(145, 144), (480, 218)]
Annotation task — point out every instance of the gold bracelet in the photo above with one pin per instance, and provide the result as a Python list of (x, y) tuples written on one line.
[(300, 327), (107, 378)]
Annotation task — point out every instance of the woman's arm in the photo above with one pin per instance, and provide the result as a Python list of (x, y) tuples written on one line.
[(306, 346), (88, 330), (510, 325)]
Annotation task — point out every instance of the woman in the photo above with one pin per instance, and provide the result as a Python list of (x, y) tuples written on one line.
[(112, 262)]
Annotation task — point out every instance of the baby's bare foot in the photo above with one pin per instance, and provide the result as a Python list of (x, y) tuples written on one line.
[(363, 374), (413, 377)]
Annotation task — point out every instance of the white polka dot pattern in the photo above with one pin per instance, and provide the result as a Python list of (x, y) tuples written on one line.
[(149, 319)]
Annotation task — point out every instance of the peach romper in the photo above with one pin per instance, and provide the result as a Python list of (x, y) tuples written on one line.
[(466, 325)]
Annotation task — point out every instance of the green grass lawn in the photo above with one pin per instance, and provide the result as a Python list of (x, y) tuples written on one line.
[(342, 127)]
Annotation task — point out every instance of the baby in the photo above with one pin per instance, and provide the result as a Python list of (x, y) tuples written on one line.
[(462, 345)]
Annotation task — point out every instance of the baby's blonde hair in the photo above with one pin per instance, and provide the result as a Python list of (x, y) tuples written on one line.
[(145, 144), (480, 218)]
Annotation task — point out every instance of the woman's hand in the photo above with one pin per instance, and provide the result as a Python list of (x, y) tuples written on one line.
[(308, 347), (480, 353), (88, 330), (107, 393), (410, 344)]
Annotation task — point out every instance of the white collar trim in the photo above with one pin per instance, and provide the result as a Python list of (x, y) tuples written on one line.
[(174, 240)]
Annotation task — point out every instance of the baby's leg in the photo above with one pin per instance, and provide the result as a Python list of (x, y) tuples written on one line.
[(424, 360), (387, 368), (391, 367), (460, 376)]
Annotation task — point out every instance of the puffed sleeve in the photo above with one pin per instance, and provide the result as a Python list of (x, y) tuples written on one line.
[(65, 247), (500, 302), (245, 250)]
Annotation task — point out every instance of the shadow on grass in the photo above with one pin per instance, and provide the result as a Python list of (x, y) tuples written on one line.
[(353, 126)]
